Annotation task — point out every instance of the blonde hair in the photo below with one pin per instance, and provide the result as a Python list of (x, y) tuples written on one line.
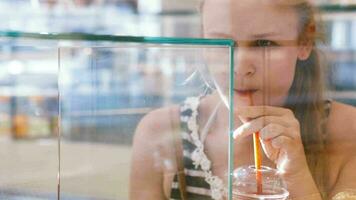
[(306, 98)]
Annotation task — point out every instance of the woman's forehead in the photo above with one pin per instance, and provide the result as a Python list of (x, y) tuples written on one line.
[(249, 18)]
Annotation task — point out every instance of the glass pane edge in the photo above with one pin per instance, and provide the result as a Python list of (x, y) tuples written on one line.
[(117, 38)]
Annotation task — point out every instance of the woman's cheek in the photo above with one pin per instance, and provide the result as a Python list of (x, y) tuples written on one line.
[(280, 90), (280, 77), (220, 78)]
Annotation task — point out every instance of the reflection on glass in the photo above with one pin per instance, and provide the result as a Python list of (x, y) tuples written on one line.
[(124, 110)]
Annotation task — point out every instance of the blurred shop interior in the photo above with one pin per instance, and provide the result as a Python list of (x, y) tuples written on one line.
[(29, 94)]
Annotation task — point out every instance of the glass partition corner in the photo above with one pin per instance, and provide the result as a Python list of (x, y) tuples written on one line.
[(134, 115)]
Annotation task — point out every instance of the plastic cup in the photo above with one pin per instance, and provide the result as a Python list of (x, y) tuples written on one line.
[(245, 185)]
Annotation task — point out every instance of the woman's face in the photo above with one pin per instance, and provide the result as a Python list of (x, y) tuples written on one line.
[(266, 37)]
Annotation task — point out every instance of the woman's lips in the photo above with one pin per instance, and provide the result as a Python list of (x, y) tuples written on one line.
[(245, 93)]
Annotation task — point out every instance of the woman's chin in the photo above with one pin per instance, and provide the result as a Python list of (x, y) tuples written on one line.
[(256, 101)]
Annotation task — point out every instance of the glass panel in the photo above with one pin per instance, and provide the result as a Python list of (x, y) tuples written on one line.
[(286, 67), (103, 106), (122, 106), (28, 120)]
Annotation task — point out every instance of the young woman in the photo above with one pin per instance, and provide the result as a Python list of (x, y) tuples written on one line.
[(309, 139)]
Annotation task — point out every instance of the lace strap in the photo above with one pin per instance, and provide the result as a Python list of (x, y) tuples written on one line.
[(178, 148), (198, 156), (345, 195)]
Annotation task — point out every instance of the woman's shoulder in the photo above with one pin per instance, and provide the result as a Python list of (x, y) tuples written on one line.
[(341, 143), (341, 126), (342, 120), (158, 123), (152, 153)]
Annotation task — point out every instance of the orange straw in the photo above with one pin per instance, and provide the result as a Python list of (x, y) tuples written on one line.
[(257, 155)]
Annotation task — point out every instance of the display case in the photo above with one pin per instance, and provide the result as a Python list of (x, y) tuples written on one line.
[(106, 86)]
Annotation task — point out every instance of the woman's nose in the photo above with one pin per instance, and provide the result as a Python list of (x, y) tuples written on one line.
[(245, 61)]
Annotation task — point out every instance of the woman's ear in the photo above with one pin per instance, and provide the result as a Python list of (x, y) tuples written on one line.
[(304, 51), (306, 42)]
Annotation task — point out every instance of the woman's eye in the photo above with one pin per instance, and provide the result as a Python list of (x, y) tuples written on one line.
[(265, 43)]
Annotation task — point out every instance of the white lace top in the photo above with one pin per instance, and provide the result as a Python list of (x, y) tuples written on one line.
[(197, 164)]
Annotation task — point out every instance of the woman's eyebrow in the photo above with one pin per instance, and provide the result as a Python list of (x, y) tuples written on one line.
[(264, 35), (252, 36), (288, 42), (220, 35)]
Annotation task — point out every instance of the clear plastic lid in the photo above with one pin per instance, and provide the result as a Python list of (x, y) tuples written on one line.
[(245, 184)]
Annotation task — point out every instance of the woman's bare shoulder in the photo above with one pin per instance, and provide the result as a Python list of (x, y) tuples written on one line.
[(341, 124), (341, 142), (151, 152), (157, 124)]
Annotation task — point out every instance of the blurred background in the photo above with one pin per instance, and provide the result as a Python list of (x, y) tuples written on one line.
[(102, 99)]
